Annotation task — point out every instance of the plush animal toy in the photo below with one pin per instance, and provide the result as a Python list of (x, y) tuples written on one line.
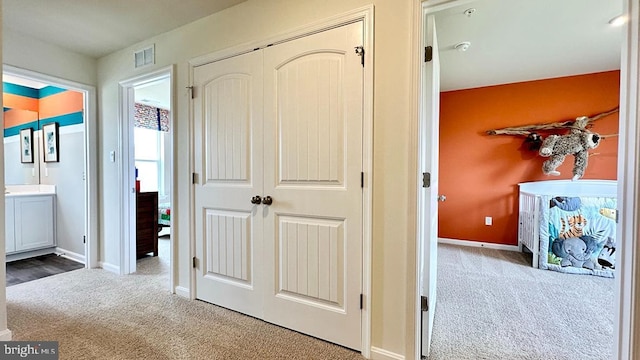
[(576, 143)]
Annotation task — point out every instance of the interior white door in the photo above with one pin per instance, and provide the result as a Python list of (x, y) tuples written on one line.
[(429, 132), (228, 160), (313, 164)]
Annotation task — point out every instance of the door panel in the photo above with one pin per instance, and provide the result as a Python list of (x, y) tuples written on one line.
[(295, 262), (428, 196), (228, 157), (313, 161)]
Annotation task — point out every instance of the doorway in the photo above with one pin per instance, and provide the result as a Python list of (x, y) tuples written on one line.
[(147, 156), (69, 106), (432, 6)]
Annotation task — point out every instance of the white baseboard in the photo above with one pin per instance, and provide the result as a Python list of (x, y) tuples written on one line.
[(382, 354), (478, 244), (71, 255), (110, 268), (5, 335), (183, 291)]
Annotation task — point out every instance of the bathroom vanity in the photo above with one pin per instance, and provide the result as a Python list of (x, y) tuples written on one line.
[(30, 219)]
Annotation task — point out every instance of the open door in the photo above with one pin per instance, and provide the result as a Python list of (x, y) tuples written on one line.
[(428, 194)]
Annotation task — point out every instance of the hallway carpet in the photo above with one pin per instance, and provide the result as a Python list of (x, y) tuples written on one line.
[(95, 314)]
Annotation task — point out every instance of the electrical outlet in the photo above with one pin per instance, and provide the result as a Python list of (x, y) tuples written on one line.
[(488, 221)]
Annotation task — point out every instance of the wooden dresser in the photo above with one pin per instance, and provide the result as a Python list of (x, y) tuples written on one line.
[(146, 223)]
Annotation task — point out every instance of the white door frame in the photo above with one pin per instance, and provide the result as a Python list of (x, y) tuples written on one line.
[(126, 169), (366, 15), (627, 341), (90, 158)]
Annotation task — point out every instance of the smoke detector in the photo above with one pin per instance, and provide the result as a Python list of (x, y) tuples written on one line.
[(462, 46)]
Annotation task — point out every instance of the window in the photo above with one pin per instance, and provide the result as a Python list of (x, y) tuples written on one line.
[(149, 159)]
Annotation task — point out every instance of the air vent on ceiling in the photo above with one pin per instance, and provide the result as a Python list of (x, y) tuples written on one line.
[(144, 57)]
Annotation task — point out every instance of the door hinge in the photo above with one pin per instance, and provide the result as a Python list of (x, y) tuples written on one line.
[(428, 54), (362, 180), (193, 262), (194, 178), (361, 301), (426, 180), (84, 239), (192, 90), (424, 303), (360, 52)]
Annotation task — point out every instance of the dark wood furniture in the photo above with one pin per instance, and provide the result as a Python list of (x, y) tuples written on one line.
[(146, 223)]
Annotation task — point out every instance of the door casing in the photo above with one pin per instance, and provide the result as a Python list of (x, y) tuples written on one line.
[(91, 155), (126, 171)]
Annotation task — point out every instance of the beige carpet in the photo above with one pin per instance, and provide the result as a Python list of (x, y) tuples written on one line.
[(493, 305), (98, 315)]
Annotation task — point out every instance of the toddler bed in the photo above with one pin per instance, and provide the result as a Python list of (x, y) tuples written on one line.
[(570, 226)]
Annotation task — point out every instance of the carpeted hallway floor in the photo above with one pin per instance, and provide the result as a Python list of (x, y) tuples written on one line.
[(98, 315)]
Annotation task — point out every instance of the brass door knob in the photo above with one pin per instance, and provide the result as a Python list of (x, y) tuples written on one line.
[(267, 200), (256, 200)]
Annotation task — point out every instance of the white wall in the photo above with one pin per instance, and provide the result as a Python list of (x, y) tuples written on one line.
[(393, 236), (67, 176), (28, 53)]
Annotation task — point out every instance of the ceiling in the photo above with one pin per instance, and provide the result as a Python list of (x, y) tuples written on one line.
[(100, 27), (156, 94), (513, 41)]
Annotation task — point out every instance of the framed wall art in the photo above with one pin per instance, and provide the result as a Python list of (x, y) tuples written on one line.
[(50, 138), (26, 145)]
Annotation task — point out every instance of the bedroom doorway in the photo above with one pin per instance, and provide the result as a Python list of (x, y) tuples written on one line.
[(626, 184), (147, 175)]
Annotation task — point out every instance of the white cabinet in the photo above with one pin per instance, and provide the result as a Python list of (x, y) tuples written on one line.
[(33, 223), (10, 244)]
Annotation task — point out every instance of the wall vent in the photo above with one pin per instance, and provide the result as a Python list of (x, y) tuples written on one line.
[(145, 57)]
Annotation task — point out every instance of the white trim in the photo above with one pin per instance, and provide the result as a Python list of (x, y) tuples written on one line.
[(70, 255), (90, 149), (414, 312), (109, 267), (382, 354), (183, 291), (127, 165), (5, 335), (366, 15), (627, 336), (478, 244)]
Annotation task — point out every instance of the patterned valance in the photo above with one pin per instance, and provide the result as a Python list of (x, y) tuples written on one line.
[(150, 117)]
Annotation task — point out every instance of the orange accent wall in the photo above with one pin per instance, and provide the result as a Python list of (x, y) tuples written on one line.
[(60, 104), (480, 173), (19, 102), (16, 117)]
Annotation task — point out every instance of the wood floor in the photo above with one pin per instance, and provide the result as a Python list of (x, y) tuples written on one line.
[(38, 267)]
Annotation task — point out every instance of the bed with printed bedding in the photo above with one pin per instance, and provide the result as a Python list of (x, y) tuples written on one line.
[(164, 215), (570, 226)]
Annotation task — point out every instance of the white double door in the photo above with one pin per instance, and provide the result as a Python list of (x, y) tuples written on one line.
[(284, 122)]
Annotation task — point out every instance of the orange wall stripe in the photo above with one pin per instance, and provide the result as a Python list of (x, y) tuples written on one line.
[(60, 104), (19, 102), (479, 173), (17, 117)]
